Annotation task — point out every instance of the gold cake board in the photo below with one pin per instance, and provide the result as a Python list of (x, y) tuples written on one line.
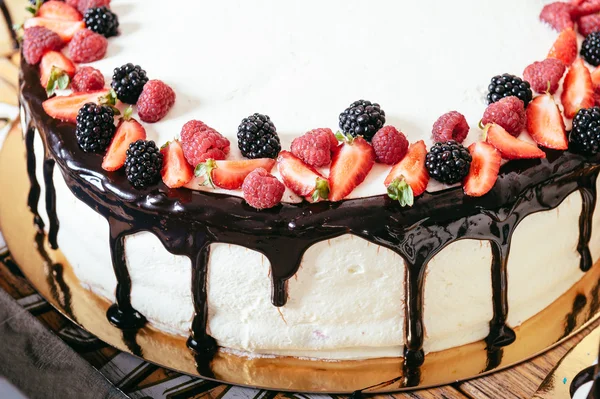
[(540, 333)]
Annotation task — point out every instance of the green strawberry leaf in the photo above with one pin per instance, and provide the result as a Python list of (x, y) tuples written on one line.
[(399, 190), (204, 170), (321, 190), (58, 80)]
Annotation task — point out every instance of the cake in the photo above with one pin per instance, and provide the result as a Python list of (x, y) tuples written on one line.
[(349, 258)]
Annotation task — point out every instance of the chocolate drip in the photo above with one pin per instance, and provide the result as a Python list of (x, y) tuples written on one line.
[(588, 196), (595, 392), (51, 202), (571, 319), (34, 187), (9, 24)]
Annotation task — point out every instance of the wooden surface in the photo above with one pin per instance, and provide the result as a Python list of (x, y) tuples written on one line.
[(518, 382)]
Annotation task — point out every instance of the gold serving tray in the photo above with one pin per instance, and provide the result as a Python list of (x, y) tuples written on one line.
[(61, 288)]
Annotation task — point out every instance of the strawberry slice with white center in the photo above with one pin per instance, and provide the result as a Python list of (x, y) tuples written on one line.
[(511, 147), (545, 124), (412, 171), (351, 163), (65, 108), (176, 171), (128, 131), (484, 169), (56, 71), (59, 10), (578, 89), (229, 175), (301, 178)]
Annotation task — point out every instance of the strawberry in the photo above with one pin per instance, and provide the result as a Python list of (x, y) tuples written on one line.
[(411, 170), (65, 108), (350, 165), (545, 124), (484, 169), (301, 178), (65, 29), (511, 147), (596, 80), (230, 175), (128, 131), (58, 10), (176, 171), (578, 90), (565, 47), (56, 71)]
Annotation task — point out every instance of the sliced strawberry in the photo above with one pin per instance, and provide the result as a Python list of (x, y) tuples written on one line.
[(56, 70), (350, 165), (511, 147), (565, 47), (231, 174), (578, 90), (65, 29), (411, 169), (545, 124), (128, 131), (65, 108), (484, 169), (301, 178), (58, 10), (596, 80), (176, 171)]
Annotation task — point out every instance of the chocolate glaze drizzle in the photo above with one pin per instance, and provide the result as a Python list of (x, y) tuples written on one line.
[(187, 222), (9, 24)]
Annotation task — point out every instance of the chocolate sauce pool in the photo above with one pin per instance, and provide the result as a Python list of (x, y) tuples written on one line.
[(187, 222)]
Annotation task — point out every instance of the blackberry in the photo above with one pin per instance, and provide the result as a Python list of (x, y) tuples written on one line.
[(362, 118), (590, 49), (95, 127), (102, 20), (128, 82), (257, 137), (143, 163), (448, 162), (585, 136), (509, 85)]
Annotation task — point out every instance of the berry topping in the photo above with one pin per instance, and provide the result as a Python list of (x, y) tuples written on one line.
[(37, 41), (128, 82), (545, 124), (545, 75), (176, 171), (201, 142), (585, 7), (84, 5), (509, 85), (262, 190), (362, 118), (352, 162), (390, 145), (508, 113), (585, 136), (58, 10), (230, 174), (588, 24), (448, 162), (558, 15), (87, 79), (590, 48), (565, 47), (87, 46), (578, 90), (257, 137), (156, 100), (128, 131), (511, 147), (143, 163), (301, 178), (410, 170), (66, 108), (64, 29), (315, 147), (95, 127), (450, 126), (484, 169), (101, 20), (56, 71)]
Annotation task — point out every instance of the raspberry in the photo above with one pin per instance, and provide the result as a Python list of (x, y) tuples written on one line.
[(508, 113), (315, 147), (83, 5), (541, 73), (156, 100), (37, 41), (588, 24), (585, 7), (451, 126), (558, 15), (262, 190), (87, 46), (87, 79), (201, 142), (390, 145)]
